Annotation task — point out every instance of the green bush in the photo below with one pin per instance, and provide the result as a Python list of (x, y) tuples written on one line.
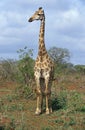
[(60, 101), (25, 65), (76, 102), (26, 74)]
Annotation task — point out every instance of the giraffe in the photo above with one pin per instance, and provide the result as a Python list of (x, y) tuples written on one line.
[(44, 67)]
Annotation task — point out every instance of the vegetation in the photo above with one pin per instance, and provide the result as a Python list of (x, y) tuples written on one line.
[(25, 71), (17, 100), (59, 55), (25, 65), (80, 69), (8, 69)]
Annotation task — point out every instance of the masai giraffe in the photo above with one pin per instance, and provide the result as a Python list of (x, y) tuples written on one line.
[(44, 67)]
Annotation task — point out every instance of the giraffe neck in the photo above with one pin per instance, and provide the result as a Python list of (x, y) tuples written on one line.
[(42, 49)]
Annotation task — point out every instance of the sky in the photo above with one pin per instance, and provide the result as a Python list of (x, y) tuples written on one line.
[(64, 27)]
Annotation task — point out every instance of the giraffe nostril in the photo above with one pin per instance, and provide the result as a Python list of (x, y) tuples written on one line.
[(30, 20)]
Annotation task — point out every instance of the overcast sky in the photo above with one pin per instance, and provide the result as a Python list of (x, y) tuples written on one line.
[(65, 26)]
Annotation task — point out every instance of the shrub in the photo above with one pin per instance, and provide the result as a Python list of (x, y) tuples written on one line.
[(25, 65), (76, 102), (60, 101), (8, 69), (25, 75)]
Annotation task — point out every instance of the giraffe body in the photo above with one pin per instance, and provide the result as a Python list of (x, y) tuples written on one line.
[(44, 67)]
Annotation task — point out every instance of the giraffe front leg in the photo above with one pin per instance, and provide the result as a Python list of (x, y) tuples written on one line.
[(48, 98), (39, 98), (38, 109)]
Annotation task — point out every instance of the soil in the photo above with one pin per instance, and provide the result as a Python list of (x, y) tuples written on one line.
[(23, 117)]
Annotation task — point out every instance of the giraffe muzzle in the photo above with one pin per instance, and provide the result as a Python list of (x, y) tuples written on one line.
[(30, 20)]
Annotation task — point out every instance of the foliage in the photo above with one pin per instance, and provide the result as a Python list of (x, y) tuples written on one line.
[(25, 75), (25, 65), (61, 58), (59, 55), (66, 68), (60, 101), (76, 102), (80, 68), (8, 69)]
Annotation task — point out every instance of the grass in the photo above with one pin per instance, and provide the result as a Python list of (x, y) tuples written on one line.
[(68, 104)]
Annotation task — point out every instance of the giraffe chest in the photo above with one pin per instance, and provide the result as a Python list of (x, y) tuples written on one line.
[(43, 62), (43, 68), (44, 65)]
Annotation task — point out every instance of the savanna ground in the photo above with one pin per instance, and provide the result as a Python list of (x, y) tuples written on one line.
[(68, 100)]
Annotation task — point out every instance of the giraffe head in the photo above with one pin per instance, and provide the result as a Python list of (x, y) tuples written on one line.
[(38, 15)]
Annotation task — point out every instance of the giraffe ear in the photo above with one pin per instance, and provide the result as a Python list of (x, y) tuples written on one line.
[(40, 8)]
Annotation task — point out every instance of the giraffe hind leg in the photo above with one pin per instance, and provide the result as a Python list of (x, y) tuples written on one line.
[(48, 104)]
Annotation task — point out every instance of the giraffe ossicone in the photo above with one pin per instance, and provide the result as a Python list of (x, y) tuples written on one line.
[(44, 67)]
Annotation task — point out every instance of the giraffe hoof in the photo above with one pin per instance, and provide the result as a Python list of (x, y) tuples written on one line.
[(51, 110), (37, 112), (47, 112)]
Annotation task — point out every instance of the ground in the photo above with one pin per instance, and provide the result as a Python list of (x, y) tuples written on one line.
[(18, 113)]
